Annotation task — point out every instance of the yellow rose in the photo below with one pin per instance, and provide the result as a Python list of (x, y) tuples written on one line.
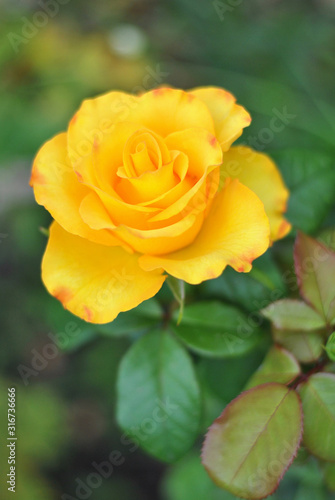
[(148, 185)]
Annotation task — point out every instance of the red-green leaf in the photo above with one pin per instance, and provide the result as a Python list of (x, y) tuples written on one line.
[(305, 346), (279, 366), (315, 270), (251, 445), (318, 401), (289, 314)]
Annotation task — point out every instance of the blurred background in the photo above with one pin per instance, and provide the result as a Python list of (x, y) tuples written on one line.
[(278, 58)]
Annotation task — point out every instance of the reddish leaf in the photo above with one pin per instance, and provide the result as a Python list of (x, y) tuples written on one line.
[(315, 270), (250, 446)]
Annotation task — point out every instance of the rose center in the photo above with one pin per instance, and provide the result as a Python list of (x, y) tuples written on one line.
[(143, 152)]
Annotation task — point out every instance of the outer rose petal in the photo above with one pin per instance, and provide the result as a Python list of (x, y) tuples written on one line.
[(92, 281), (259, 173), (235, 232), (167, 110), (229, 118), (96, 119), (57, 188)]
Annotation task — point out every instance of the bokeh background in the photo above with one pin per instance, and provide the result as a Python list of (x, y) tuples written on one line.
[(276, 56)]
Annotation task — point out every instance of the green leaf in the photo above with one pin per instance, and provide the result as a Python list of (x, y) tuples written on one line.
[(289, 314), (187, 480), (329, 472), (318, 400), (159, 402), (217, 330), (250, 446), (252, 291), (330, 347), (307, 174), (305, 346), (279, 366), (315, 270), (144, 317)]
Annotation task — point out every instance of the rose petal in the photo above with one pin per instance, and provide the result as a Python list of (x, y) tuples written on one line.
[(57, 188), (167, 110), (259, 173), (92, 281), (229, 118), (235, 232)]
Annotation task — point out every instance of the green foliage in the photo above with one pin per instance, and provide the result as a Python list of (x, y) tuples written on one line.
[(301, 327), (159, 396), (217, 330), (247, 438)]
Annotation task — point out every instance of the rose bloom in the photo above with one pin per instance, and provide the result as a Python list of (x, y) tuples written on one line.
[(141, 187)]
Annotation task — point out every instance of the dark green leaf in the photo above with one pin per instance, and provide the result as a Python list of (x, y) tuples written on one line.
[(159, 402), (218, 330)]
